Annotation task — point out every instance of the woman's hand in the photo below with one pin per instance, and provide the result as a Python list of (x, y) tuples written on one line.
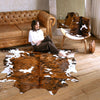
[(38, 43)]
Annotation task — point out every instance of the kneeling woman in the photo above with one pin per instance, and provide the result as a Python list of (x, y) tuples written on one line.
[(41, 44)]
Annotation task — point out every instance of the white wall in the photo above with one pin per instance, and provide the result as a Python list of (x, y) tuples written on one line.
[(19, 5)]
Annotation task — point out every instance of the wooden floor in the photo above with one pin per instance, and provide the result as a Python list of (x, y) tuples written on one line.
[(88, 87)]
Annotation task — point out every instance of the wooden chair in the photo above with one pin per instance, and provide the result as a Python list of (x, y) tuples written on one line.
[(67, 35), (79, 29)]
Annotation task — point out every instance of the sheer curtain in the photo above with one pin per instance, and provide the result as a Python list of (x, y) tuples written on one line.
[(88, 4), (95, 16), (92, 10)]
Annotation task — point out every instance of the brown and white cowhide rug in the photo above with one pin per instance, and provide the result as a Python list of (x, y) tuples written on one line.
[(38, 70)]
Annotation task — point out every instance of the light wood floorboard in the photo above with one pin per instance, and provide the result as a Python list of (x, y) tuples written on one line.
[(88, 67)]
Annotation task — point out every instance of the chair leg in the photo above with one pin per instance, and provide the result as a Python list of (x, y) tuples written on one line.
[(62, 43), (85, 44)]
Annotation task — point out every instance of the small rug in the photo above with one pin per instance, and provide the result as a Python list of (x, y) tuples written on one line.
[(30, 70)]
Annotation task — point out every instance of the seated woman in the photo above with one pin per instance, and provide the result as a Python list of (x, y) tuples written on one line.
[(41, 44)]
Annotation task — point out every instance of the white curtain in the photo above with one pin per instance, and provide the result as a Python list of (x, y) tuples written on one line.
[(88, 4), (92, 11), (95, 18)]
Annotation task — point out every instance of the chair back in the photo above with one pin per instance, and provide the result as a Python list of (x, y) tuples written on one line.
[(80, 26), (70, 17)]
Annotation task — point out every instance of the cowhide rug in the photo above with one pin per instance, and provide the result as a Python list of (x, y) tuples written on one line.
[(31, 70)]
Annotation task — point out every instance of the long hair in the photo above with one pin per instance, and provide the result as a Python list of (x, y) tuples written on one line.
[(34, 22)]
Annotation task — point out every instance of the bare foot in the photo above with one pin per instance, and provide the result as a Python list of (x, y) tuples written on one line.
[(62, 54)]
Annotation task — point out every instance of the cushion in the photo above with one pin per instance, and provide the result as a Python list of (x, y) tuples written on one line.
[(8, 31), (24, 28)]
